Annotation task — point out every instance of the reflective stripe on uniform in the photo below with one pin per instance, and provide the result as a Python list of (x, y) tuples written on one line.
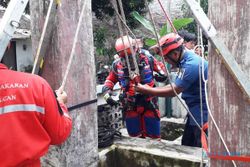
[(21, 107)]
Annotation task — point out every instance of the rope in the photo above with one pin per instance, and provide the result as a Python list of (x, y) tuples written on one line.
[(130, 46), (82, 104), (42, 37), (74, 46), (201, 78), (118, 16), (202, 48), (114, 3), (167, 17), (126, 32), (106, 136), (127, 29), (201, 109)]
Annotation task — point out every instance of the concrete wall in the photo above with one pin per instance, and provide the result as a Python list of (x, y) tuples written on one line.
[(174, 8), (231, 18), (81, 148), (24, 56), (136, 152)]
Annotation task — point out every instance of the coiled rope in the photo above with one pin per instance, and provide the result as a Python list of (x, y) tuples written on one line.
[(106, 136)]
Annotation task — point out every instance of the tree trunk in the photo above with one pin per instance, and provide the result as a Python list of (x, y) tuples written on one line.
[(81, 147)]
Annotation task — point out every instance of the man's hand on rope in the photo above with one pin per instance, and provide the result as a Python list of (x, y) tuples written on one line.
[(142, 88), (61, 95), (136, 79)]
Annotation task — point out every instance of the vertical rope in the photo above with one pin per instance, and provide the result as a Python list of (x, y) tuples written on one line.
[(201, 67), (124, 23), (167, 17), (114, 2), (74, 46), (130, 45), (201, 107), (42, 37)]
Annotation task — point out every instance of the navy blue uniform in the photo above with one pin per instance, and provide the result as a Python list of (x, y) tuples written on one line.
[(188, 79)]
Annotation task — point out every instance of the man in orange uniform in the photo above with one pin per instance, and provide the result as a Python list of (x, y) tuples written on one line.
[(141, 112), (30, 118)]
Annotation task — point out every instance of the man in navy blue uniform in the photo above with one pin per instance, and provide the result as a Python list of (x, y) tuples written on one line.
[(187, 82)]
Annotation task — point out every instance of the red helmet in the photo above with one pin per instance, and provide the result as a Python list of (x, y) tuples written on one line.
[(123, 43), (168, 43)]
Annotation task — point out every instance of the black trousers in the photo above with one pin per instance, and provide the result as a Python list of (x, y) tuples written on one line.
[(191, 136)]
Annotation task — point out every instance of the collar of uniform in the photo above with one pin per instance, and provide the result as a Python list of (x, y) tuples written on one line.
[(2, 66), (184, 56)]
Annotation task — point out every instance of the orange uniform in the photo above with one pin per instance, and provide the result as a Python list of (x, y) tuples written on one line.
[(29, 118)]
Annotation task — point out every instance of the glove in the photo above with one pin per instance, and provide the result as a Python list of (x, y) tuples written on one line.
[(110, 100), (160, 77)]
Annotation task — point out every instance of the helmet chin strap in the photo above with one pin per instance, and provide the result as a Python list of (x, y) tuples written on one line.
[(173, 60), (177, 63)]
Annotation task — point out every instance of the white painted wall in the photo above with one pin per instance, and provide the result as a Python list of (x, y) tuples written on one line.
[(173, 7), (24, 56)]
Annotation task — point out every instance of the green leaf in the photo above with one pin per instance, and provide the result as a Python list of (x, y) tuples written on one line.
[(180, 23), (147, 24), (150, 41), (163, 30)]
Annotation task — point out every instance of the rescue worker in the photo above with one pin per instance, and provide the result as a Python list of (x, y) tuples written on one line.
[(141, 112), (187, 82), (31, 118), (190, 39)]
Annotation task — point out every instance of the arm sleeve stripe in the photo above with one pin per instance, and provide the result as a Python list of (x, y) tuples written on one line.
[(21, 108)]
